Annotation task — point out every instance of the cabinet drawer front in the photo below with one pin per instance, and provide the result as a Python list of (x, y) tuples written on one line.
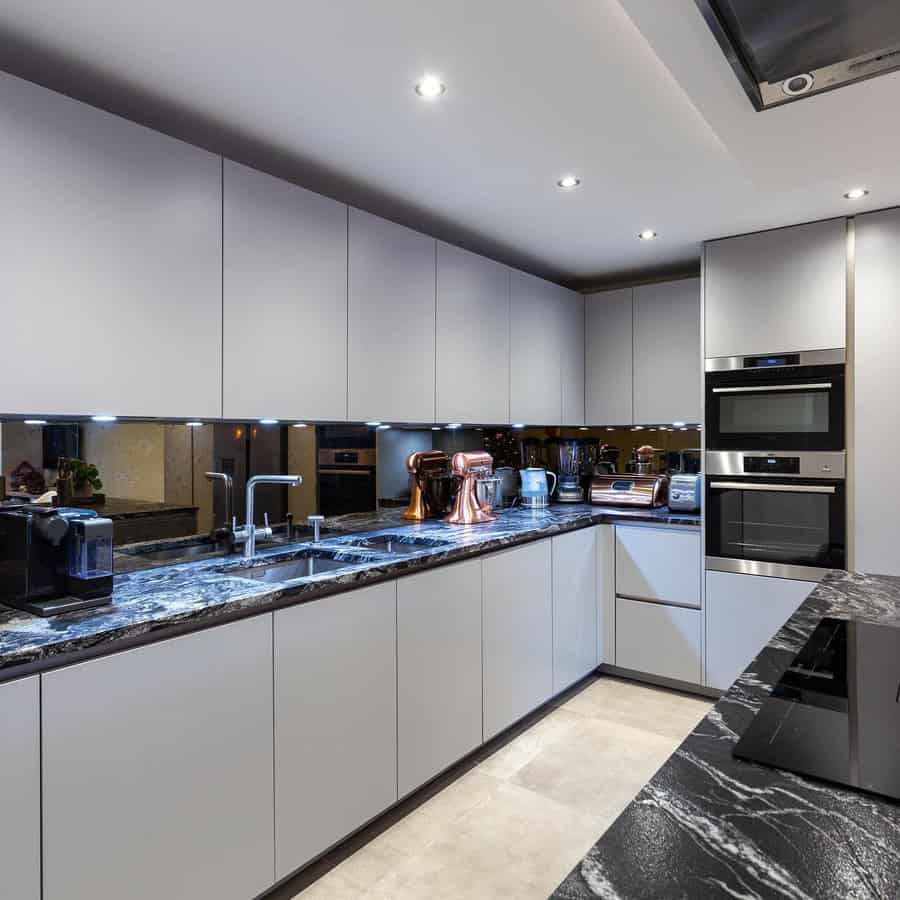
[(742, 614), (660, 640), (658, 564)]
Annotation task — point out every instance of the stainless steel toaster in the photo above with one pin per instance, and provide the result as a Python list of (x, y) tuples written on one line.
[(685, 492)]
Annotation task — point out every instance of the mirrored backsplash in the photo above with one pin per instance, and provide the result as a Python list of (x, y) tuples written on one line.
[(151, 479)]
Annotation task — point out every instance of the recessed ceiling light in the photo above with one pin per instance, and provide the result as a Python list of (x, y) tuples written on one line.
[(430, 87), (193, 424), (454, 425), (583, 428), (638, 428), (435, 427), (383, 427), (518, 425), (856, 194), (268, 421), (373, 424), (678, 424), (103, 418), (647, 234), (610, 428), (568, 182), (35, 421), (682, 429), (299, 424)]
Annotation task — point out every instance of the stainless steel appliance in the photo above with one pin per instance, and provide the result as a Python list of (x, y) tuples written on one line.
[(834, 713), (566, 458), (468, 467), (786, 401), (781, 514), (685, 492), (535, 492), (630, 490), (55, 559), (792, 49), (489, 493), (346, 480)]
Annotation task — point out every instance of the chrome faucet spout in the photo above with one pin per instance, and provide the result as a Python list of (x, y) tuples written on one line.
[(250, 531)]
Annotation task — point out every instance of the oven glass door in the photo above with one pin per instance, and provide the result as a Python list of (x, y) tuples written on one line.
[(783, 521), (756, 410)]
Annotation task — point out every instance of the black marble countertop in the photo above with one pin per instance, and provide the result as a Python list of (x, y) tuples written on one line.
[(153, 603), (708, 825)]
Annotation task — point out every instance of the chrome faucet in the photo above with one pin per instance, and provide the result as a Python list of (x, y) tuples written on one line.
[(229, 500), (247, 534), (316, 522)]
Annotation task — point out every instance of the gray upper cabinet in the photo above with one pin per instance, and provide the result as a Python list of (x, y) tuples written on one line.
[(472, 338), (535, 370), (284, 300), (876, 384), (571, 320), (161, 756), (391, 308), (609, 358), (668, 374), (777, 291), (110, 237)]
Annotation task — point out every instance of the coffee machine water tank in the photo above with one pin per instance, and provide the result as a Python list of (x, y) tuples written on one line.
[(90, 556)]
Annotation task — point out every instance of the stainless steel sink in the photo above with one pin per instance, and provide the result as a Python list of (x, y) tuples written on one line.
[(397, 543), (185, 552), (304, 565)]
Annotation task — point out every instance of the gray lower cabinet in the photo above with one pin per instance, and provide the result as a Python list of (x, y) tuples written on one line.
[(284, 299), (391, 271), (110, 238), (668, 371), (472, 338), (876, 374), (609, 360), (776, 291), (157, 770), (742, 614), (335, 719), (20, 788), (659, 640), (438, 671), (661, 564), (518, 634), (575, 607)]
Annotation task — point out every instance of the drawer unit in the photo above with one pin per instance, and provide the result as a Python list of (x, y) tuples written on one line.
[(659, 640), (659, 564)]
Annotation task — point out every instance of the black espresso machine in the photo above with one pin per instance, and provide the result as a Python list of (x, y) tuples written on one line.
[(54, 559)]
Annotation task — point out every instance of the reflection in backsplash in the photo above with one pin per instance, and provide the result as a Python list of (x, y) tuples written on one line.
[(151, 476)]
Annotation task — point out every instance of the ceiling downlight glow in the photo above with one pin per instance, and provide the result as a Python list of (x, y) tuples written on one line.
[(568, 182), (856, 194), (647, 234), (193, 424), (35, 421), (430, 87), (103, 417), (268, 421)]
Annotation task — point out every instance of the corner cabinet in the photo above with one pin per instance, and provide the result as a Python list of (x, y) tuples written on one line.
[(335, 720), (110, 239), (157, 769), (472, 330), (777, 291), (571, 335), (391, 273), (609, 358), (20, 788), (284, 300)]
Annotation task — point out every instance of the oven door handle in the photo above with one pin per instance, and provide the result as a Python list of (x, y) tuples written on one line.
[(824, 385), (773, 488)]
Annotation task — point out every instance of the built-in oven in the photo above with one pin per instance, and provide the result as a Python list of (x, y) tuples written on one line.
[(781, 514), (347, 482), (787, 401)]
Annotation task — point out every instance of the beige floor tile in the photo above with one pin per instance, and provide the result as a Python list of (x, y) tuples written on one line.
[(661, 711), (599, 768)]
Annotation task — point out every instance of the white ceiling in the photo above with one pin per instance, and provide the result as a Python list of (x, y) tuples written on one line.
[(632, 95)]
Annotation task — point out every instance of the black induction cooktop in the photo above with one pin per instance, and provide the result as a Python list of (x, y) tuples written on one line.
[(835, 713)]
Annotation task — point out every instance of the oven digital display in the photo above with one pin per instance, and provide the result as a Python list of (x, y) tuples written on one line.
[(768, 362), (772, 465)]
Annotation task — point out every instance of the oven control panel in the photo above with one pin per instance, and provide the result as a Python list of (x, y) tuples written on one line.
[(771, 465)]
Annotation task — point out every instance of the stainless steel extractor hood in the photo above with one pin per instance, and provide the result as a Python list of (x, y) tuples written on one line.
[(785, 50)]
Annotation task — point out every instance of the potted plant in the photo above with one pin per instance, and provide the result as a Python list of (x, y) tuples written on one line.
[(85, 477)]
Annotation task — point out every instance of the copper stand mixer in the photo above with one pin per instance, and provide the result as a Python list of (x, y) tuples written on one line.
[(467, 510), (423, 465)]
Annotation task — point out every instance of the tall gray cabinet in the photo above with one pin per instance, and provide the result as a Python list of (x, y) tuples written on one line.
[(609, 358), (110, 242)]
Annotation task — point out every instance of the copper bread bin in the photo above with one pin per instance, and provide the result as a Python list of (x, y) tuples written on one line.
[(646, 491)]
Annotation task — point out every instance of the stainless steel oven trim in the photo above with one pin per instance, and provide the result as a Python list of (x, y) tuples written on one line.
[(773, 488), (814, 464), (770, 388), (805, 358), (770, 570)]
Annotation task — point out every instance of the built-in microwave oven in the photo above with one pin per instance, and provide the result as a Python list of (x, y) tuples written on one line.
[(779, 514), (787, 401)]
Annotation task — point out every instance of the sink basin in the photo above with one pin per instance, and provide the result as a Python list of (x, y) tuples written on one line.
[(185, 552), (304, 565), (398, 543)]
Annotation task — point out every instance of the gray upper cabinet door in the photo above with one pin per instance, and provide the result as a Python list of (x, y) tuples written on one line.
[(777, 291), (609, 360), (535, 362), (391, 307), (876, 385), (668, 366), (472, 338), (110, 239), (160, 759), (20, 788), (335, 719), (438, 670), (572, 356), (285, 300)]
